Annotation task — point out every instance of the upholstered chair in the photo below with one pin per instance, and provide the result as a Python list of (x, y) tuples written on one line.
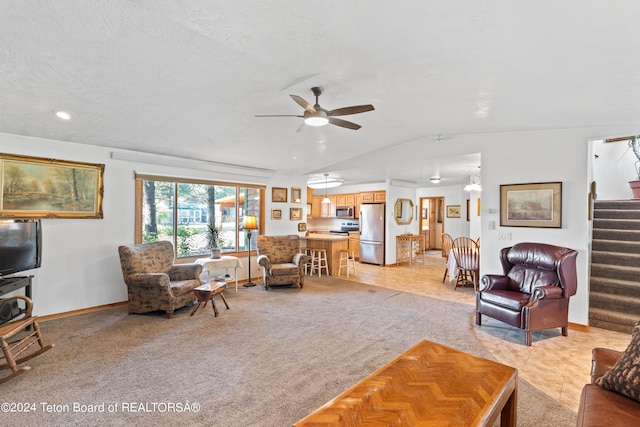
[(282, 260), (534, 291), (154, 282)]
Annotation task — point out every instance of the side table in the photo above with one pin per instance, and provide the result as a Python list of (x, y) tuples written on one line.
[(226, 262), (206, 292)]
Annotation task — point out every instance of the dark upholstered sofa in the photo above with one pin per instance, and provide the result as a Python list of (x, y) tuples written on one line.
[(600, 407)]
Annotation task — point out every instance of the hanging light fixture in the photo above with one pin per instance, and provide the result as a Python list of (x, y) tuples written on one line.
[(326, 199)]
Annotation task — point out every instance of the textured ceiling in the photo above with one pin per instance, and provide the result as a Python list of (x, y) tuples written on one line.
[(186, 78)]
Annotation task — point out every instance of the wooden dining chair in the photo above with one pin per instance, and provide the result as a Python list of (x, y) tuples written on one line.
[(467, 255), (446, 242)]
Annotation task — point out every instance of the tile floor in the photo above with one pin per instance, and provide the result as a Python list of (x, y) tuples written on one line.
[(505, 343)]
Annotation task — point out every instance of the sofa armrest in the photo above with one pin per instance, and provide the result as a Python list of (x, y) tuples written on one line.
[(264, 262), (602, 359), (547, 292), (493, 281), (300, 259), (185, 271)]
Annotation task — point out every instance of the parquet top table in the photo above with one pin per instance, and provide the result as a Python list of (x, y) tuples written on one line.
[(428, 385)]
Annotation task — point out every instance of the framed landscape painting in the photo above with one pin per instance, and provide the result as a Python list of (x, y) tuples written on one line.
[(35, 187), (531, 205), (295, 214), (279, 195)]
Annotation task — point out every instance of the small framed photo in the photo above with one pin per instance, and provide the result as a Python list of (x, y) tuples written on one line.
[(279, 195), (295, 214), (296, 195), (276, 213), (531, 205), (302, 226), (453, 211)]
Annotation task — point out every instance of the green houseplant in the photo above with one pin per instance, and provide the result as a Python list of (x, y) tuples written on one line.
[(213, 240)]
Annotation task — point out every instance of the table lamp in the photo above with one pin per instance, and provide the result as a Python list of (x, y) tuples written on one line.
[(249, 223)]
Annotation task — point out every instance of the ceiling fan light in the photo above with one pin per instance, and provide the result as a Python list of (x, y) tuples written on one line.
[(435, 179), (316, 121)]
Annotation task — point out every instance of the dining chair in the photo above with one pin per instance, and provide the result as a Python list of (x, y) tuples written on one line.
[(467, 256), (446, 242)]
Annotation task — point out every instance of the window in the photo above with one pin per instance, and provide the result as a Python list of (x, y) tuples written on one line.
[(179, 210)]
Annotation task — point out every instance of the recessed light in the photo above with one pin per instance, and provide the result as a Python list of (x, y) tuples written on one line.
[(63, 115)]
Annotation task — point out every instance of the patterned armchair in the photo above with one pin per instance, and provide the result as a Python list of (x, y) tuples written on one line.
[(281, 260), (154, 282)]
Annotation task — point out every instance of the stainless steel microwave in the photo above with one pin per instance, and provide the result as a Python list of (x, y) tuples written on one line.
[(345, 211)]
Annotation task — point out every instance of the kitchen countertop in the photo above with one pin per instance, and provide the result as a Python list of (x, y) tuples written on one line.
[(317, 236)]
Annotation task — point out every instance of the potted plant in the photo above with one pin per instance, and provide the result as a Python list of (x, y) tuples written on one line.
[(213, 240), (635, 184)]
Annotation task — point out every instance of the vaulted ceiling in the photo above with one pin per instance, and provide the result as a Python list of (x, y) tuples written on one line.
[(187, 78)]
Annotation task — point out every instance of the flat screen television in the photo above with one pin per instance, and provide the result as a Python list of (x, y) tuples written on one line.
[(20, 245)]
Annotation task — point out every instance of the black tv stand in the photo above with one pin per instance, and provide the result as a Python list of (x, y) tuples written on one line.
[(10, 284)]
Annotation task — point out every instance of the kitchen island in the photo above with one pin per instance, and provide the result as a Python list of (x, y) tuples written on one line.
[(333, 245)]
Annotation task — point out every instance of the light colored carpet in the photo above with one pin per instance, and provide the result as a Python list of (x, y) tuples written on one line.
[(268, 361)]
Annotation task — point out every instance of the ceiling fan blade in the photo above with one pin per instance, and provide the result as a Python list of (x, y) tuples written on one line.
[(344, 123), (350, 110), (304, 104), (277, 115)]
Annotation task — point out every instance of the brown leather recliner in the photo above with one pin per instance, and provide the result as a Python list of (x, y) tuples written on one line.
[(534, 291)]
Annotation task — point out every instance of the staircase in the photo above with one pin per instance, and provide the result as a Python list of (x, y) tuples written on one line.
[(615, 265)]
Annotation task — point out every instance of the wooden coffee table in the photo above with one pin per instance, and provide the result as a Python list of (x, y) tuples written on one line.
[(429, 385), (206, 292)]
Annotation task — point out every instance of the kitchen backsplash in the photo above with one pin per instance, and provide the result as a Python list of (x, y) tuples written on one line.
[(323, 224)]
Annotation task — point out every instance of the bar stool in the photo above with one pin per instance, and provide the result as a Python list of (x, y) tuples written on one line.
[(308, 267), (319, 261), (349, 260)]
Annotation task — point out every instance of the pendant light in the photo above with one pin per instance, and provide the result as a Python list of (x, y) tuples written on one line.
[(326, 199)]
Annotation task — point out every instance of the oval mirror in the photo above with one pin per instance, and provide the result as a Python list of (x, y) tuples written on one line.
[(403, 211)]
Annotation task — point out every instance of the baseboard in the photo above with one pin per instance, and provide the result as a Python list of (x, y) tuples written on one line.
[(80, 311), (579, 327)]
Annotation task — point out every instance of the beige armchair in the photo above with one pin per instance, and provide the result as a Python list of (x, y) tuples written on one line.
[(154, 282), (281, 260)]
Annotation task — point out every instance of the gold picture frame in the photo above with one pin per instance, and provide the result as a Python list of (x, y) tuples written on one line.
[(296, 195), (279, 195), (276, 214), (453, 211), (531, 205), (295, 214), (302, 226), (37, 187)]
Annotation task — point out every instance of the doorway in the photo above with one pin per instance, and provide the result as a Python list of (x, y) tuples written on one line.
[(432, 220)]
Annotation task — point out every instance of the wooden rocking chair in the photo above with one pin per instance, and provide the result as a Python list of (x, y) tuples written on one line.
[(25, 333)]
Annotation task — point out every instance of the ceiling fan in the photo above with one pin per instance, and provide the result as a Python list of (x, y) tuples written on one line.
[(315, 115)]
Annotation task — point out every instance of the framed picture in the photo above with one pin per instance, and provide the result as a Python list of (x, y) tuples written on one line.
[(531, 205), (276, 213), (295, 214), (279, 195), (302, 226), (453, 211), (35, 187), (296, 195), (468, 214)]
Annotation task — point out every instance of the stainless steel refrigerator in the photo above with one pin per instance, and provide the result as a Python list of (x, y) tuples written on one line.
[(372, 233)]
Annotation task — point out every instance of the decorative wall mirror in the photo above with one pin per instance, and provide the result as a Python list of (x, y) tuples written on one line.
[(403, 211)]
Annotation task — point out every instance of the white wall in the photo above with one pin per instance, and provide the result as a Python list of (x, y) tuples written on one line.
[(80, 264), (613, 168), (81, 269)]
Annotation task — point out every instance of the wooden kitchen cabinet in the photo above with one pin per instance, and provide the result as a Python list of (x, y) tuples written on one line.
[(379, 196), (367, 197), (328, 210), (316, 206)]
